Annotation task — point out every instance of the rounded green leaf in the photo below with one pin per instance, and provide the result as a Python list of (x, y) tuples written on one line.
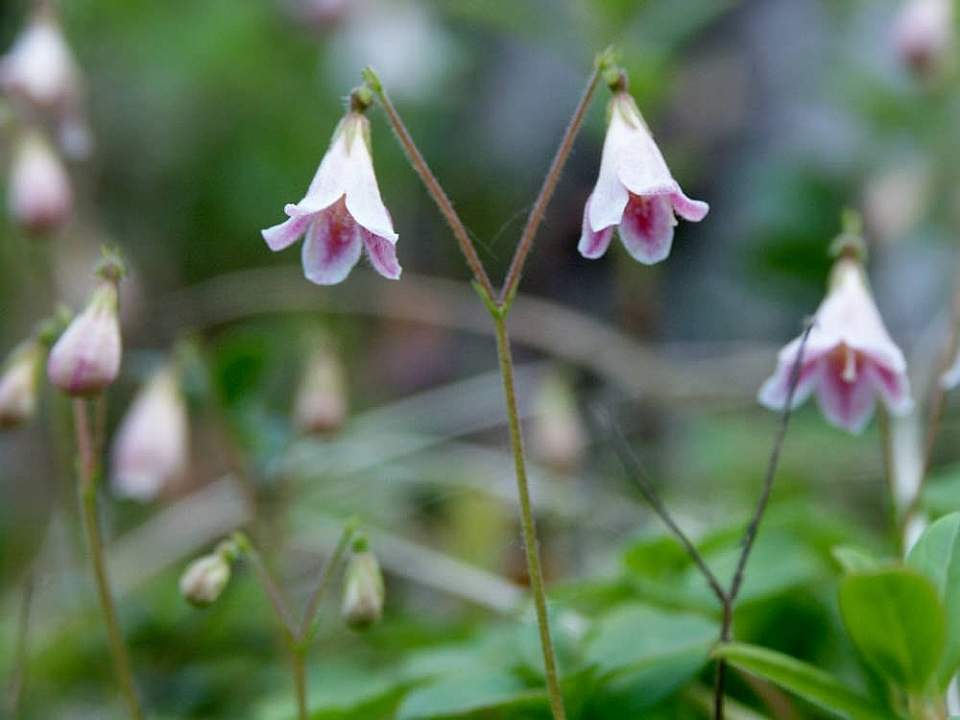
[(936, 554), (897, 623)]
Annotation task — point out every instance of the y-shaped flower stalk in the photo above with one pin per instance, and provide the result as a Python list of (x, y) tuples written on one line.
[(499, 304)]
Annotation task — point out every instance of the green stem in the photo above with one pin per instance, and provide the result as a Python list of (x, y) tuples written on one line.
[(300, 680), (19, 678), (88, 468), (889, 471), (530, 543), (307, 625)]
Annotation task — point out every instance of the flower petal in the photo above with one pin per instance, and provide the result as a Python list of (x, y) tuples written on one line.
[(951, 378), (688, 209), (332, 247), (382, 254), (894, 388), (363, 195), (774, 391), (846, 404), (646, 229), (593, 243), (286, 233)]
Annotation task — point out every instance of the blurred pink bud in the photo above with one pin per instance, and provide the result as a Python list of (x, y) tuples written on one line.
[(321, 402), (18, 384), (86, 358), (363, 592), (557, 438), (923, 34), (151, 446), (849, 358), (321, 14), (342, 212), (40, 66), (40, 197), (635, 192)]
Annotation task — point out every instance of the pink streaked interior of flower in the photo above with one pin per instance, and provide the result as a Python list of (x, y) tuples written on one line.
[(646, 228)]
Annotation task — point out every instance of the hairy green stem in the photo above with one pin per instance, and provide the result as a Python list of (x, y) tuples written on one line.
[(88, 469), (530, 542), (300, 681)]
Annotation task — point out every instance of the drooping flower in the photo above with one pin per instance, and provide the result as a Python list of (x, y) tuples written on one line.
[(86, 358), (40, 197), (849, 359), (151, 446), (923, 34), (635, 191), (18, 383), (40, 69), (363, 591), (557, 436), (342, 213), (321, 402)]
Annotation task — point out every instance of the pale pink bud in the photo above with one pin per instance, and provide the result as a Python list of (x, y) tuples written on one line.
[(40, 65), (86, 358), (18, 384), (363, 592), (923, 34), (557, 437), (342, 213), (151, 445), (321, 401), (205, 579), (40, 197), (635, 192), (849, 359)]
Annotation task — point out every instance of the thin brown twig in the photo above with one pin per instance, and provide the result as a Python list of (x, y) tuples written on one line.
[(750, 534), (547, 189)]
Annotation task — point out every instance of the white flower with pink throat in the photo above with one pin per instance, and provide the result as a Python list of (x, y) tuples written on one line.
[(635, 192), (849, 360), (342, 213)]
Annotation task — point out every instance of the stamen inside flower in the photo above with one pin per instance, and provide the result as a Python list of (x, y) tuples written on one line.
[(849, 364)]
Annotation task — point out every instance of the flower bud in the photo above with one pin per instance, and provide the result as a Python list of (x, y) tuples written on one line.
[(321, 403), (557, 438), (40, 66), (363, 591), (40, 198), (151, 446), (205, 579), (86, 358), (18, 384)]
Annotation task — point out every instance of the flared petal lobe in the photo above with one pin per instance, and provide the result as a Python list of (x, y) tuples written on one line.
[(333, 246), (594, 243), (646, 229)]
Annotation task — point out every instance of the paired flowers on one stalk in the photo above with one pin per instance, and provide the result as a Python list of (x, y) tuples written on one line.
[(850, 359)]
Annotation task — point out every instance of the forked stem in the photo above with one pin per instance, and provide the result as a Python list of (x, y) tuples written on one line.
[(88, 470)]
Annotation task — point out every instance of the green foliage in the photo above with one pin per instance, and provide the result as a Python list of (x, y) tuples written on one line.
[(936, 554), (805, 680), (897, 622)]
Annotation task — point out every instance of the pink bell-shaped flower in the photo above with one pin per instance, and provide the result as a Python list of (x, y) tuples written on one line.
[(320, 405), (18, 383), (151, 445), (86, 358), (342, 213), (849, 359), (40, 197), (635, 191)]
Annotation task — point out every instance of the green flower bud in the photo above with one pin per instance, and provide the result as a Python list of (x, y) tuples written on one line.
[(363, 591)]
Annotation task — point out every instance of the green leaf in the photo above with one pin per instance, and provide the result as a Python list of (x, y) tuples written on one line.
[(936, 554), (807, 681), (643, 654), (897, 623), (468, 695), (853, 559), (942, 492)]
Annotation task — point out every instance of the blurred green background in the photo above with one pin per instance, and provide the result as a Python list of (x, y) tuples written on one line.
[(209, 115)]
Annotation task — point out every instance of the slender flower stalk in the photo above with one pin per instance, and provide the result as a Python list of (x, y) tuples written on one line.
[(18, 679), (499, 304), (296, 636), (88, 466)]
